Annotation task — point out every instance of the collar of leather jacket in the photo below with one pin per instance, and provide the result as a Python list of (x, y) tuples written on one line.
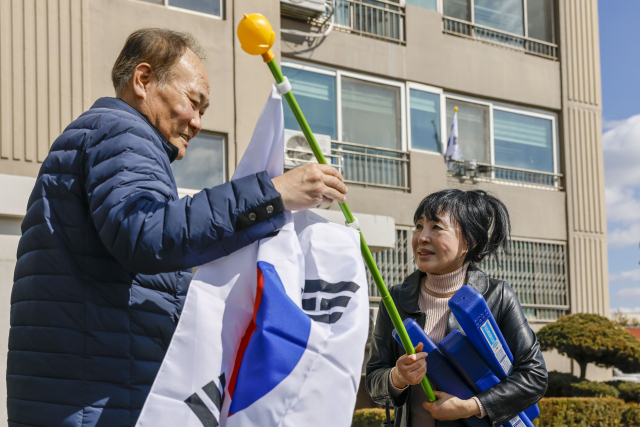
[(410, 289)]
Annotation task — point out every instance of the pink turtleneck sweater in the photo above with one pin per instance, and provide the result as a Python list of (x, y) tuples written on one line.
[(435, 292)]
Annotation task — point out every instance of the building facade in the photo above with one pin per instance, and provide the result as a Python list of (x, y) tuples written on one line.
[(378, 81)]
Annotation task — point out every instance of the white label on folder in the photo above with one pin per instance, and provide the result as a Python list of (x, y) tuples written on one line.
[(516, 422), (496, 346)]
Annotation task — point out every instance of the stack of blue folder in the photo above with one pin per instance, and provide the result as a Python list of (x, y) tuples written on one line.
[(464, 366)]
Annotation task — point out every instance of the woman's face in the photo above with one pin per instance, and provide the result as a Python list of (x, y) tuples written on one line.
[(438, 246)]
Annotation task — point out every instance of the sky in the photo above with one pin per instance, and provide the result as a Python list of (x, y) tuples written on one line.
[(620, 62)]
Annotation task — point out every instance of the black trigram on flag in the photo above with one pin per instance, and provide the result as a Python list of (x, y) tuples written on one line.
[(325, 302), (201, 410)]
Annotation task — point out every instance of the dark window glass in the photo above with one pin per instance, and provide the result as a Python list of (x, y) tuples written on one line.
[(211, 7), (540, 19), (203, 165), (473, 129), (425, 121), (425, 4), (523, 141), (316, 95), (460, 9), (504, 15), (371, 114)]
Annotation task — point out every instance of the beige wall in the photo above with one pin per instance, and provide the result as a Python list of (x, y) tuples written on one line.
[(583, 158), (8, 249), (43, 77), (431, 57), (537, 214)]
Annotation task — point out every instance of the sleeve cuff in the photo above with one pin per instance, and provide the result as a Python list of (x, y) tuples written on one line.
[(393, 390), (483, 412)]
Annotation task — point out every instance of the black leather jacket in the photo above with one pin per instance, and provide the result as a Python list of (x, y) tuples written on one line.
[(524, 387)]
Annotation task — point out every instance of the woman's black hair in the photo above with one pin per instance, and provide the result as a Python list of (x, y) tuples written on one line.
[(483, 219)]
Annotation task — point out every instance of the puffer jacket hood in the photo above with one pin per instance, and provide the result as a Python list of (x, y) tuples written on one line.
[(104, 265)]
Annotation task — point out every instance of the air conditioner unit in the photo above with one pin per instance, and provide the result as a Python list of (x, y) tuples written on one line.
[(297, 150), (302, 9)]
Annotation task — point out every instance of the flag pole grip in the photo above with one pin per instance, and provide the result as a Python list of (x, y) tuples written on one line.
[(366, 253)]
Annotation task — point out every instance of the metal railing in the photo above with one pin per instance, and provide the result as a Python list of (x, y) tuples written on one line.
[(360, 164), (505, 175), (374, 18), (395, 264), (537, 273), (373, 166), (493, 36), (535, 270)]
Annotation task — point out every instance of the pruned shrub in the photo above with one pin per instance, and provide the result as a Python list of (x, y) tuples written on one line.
[(593, 389), (581, 412), (629, 392), (559, 384), (369, 417)]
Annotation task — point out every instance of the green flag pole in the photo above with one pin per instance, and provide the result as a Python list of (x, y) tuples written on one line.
[(256, 38)]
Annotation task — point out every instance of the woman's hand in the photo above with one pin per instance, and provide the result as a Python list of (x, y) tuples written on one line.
[(410, 369), (449, 407)]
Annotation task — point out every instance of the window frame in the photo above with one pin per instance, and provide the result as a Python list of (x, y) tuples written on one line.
[(443, 118), (510, 109), (165, 3), (554, 137), (338, 74), (525, 20), (405, 107), (182, 191)]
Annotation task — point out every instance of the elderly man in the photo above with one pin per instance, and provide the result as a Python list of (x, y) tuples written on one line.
[(107, 246)]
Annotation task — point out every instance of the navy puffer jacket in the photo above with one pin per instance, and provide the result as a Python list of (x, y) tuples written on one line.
[(103, 267)]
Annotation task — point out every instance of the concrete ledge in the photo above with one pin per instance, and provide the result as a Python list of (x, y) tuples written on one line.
[(379, 231), (14, 194)]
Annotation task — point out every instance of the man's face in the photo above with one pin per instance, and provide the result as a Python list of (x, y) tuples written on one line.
[(177, 108)]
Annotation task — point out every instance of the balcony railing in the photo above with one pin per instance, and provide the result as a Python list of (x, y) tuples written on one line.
[(505, 175), (361, 164), (380, 19), (493, 36), (537, 273)]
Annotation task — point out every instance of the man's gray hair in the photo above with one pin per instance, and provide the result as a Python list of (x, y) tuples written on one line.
[(158, 47)]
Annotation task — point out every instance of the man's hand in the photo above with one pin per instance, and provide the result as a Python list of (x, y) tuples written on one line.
[(410, 369), (449, 407), (308, 186)]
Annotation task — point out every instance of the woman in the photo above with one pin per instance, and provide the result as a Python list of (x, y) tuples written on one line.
[(454, 230)]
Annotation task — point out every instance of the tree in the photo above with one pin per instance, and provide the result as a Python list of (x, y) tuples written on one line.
[(623, 320), (589, 338)]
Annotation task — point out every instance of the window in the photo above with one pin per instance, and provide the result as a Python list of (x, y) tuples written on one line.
[(394, 264), (424, 119), (425, 4), (349, 107), (505, 15), (316, 95), (540, 20), (537, 273), (459, 9), (473, 129), (203, 165), (210, 7), (371, 114), (519, 145), (523, 141), (363, 115)]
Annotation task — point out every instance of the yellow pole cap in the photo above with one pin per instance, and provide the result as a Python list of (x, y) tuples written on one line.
[(256, 36), (455, 109)]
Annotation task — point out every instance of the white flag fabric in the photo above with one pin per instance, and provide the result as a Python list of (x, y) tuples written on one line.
[(453, 149), (273, 334)]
